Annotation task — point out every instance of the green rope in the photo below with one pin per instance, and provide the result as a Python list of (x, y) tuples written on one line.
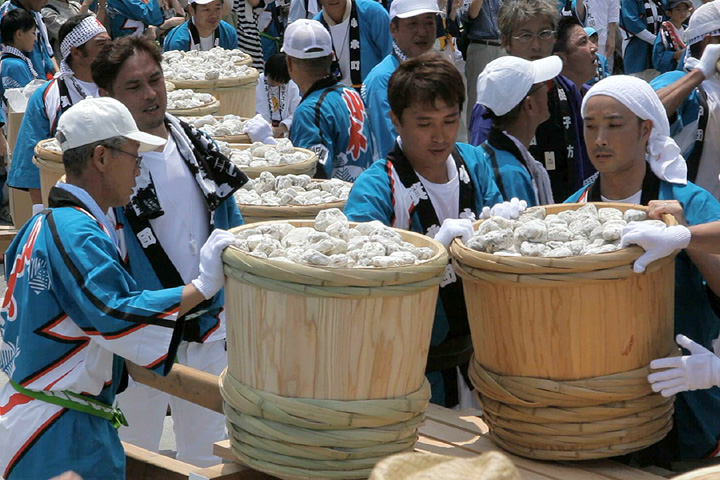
[(318, 438)]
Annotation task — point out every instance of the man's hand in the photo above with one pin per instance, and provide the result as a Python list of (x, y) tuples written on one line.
[(698, 371), (658, 242)]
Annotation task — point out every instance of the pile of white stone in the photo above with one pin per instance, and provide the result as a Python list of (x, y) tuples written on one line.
[(220, 126), (262, 155), (204, 65), (185, 98), (52, 144), (585, 231), (332, 243), (285, 190)]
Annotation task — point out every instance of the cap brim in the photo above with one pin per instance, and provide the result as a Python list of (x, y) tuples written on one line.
[(147, 142), (547, 68), (291, 52), (200, 2), (417, 12)]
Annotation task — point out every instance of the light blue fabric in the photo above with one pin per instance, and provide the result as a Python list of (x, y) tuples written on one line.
[(14, 73), (685, 120), (92, 206), (638, 53), (375, 39), (662, 57), (41, 55), (696, 413), (338, 129), (179, 37), (516, 180), (375, 96), (132, 17)]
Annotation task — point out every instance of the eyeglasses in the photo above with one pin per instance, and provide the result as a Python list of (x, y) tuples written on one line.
[(528, 37), (137, 158), (547, 84)]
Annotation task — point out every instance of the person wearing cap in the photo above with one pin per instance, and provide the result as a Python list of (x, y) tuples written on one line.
[(692, 94), (204, 30), (601, 63), (413, 28), (331, 119), (639, 24), (602, 16), (81, 37), (627, 133), (72, 312), (42, 52), (670, 42), (516, 113), (360, 37), (184, 193), (431, 185)]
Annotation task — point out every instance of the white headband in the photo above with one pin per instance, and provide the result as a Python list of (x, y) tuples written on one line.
[(663, 154), (81, 34)]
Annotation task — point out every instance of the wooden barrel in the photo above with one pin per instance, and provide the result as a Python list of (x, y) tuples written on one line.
[(236, 95), (242, 138), (51, 168), (306, 167), (565, 320), (210, 108)]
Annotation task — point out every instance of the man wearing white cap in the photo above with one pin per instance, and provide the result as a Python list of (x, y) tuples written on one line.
[(184, 192), (204, 30), (81, 38), (73, 312), (516, 113), (692, 98), (413, 28), (331, 119), (359, 36), (627, 134)]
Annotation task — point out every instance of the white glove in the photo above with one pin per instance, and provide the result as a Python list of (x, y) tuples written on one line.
[(212, 278), (697, 371), (37, 208), (647, 36), (454, 227), (658, 242), (509, 210), (259, 130), (709, 59)]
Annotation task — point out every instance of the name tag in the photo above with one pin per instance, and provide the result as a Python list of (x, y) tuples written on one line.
[(549, 161)]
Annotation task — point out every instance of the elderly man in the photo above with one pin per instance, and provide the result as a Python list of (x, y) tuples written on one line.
[(431, 185), (516, 114), (204, 30), (72, 311), (626, 130), (42, 53), (81, 38), (184, 192), (413, 28), (692, 96), (360, 37)]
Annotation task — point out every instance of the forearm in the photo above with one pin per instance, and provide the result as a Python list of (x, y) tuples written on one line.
[(675, 94), (705, 238), (191, 297), (610, 42), (709, 266), (580, 10), (474, 9)]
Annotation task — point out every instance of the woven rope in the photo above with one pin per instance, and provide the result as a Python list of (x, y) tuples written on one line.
[(572, 420), (302, 437)]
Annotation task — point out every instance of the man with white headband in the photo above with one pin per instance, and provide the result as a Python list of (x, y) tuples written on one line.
[(81, 38), (627, 135), (692, 96)]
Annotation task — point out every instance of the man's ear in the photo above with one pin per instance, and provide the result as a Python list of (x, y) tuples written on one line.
[(505, 40), (646, 127), (103, 92), (98, 158), (395, 121)]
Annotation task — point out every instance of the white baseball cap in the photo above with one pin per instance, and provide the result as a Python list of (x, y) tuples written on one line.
[(307, 39), (96, 119), (412, 8), (506, 81), (202, 2)]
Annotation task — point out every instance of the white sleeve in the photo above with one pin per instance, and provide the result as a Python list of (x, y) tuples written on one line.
[(261, 102), (646, 36), (613, 11)]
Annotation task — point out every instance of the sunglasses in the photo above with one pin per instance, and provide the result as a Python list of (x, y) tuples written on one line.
[(137, 158), (547, 84)]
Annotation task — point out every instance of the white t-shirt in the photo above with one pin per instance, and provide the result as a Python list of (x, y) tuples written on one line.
[(445, 197), (207, 43), (185, 225), (599, 14), (709, 168), (635, 199), (267, 98), (341, 41)]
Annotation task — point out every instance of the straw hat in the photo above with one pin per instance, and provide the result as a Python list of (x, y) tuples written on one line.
[(423, 466)]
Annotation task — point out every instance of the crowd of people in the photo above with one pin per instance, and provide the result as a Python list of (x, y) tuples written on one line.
[(439, 113)]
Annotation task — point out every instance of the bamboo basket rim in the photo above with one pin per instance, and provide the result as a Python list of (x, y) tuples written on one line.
[(253, 210), (207, 109), (237, 138), (544, 265), (45, 154), (169, 87), (235, 258), (229, 82), (290, 169)]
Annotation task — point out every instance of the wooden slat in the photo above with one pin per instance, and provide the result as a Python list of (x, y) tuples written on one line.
[(228, 471), (7, 235), (143, 464)]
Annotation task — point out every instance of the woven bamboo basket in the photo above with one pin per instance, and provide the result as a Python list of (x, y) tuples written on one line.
[(169, 87), (236, 95), (51, 168), (210, 108), (568, 325), (261, 213), (339, 335), (307, 167), (242, 138)]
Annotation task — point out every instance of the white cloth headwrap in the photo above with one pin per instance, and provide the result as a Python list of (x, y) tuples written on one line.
[(81, 34), (663, 154)]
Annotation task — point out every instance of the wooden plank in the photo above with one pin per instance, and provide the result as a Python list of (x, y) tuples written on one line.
[(143, 464), (196, 386), (7, 235), (228, 471)]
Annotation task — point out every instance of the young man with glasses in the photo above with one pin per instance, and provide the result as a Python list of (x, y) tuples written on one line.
[(515, 114)]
